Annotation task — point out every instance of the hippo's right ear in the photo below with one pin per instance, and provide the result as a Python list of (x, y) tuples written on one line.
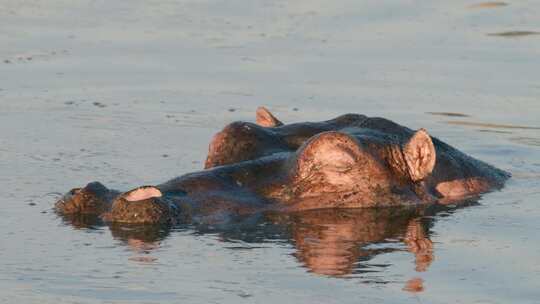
[(420, 155), (266, 119)]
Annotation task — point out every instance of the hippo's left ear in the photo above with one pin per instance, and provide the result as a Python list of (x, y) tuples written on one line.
[(266, 119), (420, 155)]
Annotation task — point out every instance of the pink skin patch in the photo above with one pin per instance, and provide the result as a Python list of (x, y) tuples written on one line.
[(142, 194), (462, 188)]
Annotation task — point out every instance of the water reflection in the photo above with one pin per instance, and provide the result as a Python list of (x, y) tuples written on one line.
[(414, 285), (82, 221), (529, 141), (141, 240), (490, 125), (492, 4), (449, 114), (341, 242), (331, 242), (514, 34)]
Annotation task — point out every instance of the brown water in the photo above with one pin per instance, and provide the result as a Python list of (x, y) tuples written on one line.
[(129, 93)]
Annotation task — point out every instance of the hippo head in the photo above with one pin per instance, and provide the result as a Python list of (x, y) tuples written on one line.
[(351, 161), (359, 170)]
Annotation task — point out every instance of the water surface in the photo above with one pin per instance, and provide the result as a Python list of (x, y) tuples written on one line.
[(131, 93)]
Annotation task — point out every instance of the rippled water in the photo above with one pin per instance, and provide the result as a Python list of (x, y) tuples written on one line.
[(130, 94)]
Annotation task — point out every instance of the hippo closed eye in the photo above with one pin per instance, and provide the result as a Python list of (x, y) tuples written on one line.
[(352, 161)]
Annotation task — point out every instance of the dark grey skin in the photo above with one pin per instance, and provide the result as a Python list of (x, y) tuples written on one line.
[(352, 161)]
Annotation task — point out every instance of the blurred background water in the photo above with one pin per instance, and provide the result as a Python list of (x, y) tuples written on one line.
[(130, 93)]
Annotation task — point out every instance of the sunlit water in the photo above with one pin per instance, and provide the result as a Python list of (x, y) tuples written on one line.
[(129, 93)]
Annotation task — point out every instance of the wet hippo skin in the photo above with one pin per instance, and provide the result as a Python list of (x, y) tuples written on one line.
[(352, 161)]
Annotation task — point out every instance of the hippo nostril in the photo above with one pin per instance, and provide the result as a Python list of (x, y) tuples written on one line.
[(74, 191)]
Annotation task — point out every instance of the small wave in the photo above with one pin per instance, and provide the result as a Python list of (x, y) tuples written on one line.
[(514, 34), (490, 125)]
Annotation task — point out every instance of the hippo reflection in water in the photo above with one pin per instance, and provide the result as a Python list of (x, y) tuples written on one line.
[(352, 161), (331, 242)]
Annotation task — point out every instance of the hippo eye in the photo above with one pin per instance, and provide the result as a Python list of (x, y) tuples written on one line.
[(341, 160), (328, 152), (341, 167)]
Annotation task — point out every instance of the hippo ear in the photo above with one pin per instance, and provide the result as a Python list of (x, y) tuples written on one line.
[(419, 155), (266, 119), (328, 152), (142, 193)]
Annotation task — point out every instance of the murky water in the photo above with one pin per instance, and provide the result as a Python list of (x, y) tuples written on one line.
[(129, 93)]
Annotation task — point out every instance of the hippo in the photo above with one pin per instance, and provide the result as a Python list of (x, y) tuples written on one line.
[(352, 161)]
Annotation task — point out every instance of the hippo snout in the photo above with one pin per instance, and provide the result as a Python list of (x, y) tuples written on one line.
[(90, 199)]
